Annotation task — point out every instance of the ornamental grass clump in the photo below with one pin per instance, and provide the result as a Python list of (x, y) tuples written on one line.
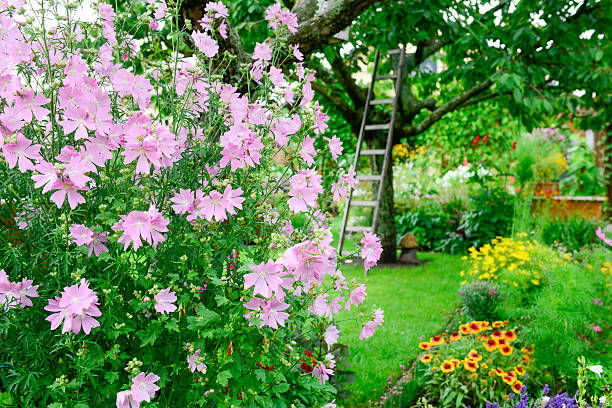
[(151, 255), (479, 362), (517, 262)]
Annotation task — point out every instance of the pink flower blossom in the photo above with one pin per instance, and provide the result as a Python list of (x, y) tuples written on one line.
[(165, 301), (21, 152), (331, 335), (262, 52), (144, 387), (311, 260), (266, 278), (140, 224), (307, 150), (81, 235), (125, 399), (323, 370), (370, 326), (602, 236), (16, 294), (372, 249), (30, 105), (305, 188), (77, 308), (273, 314), (596, 328), (335, 147), (356, 297), (205, 44), (196, 362)]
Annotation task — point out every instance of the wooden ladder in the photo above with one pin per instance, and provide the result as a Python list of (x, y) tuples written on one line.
[(365, 127)]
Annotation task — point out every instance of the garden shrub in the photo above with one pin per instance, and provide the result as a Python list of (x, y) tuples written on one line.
[(481, 301), (491, 213), (152, 257), (571, 233), (560, 320), (428, 223), (478, 363)]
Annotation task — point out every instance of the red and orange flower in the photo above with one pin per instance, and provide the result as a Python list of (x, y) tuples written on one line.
[(490, 345), (455, 336), (424, 345), (510, 335), (506, 350), (470, 365), (447, 366), (426, 358), (516, 387), (474, 356), (436, 340)]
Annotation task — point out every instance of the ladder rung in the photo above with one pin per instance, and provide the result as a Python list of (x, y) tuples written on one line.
[(357, 203), (394, 51), (381, 101), (357, 228), (392, 76), (373, 152), (367, 177), (381, 126)]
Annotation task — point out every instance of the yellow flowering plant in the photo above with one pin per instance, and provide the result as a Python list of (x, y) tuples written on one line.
[(406, 153), (479, 362), (517, 262)]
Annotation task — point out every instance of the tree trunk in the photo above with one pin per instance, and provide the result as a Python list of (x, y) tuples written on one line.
[(386, 221)]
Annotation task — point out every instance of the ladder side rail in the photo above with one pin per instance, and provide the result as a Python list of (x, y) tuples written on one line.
[(358, 152), (386, 160)]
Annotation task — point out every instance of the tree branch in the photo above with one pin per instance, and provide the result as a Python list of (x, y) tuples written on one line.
[(357, 94), (352, 116), (318, 31), (450, 106)]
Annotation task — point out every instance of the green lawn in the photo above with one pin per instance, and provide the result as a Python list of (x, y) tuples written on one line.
[(415, 301)]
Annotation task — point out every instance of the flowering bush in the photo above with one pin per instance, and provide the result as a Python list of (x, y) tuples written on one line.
[(153, 257), (516, 262), (481, 301), (479, 362)]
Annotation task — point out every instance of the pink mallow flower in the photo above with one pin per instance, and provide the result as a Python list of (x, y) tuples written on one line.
[(602, 236), (77, 308), (324, 369), (305, 188), (144, 387), (16, 294), (370, 326), (372, 249), (356, 297), (335, 147), (164, 301), (125, 399), (196, 362), (273, 314), (140, 224), (81, 235), (21, 152), (266, 278), (205, 44), (331, 335)]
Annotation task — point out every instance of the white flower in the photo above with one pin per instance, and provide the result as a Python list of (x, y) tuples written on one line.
[(545, 401), (597, 369), (602, 400)]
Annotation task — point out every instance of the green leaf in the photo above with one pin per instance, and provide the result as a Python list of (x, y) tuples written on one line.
[(282, 387), (111, 376), (223, 377), (172, 325), (203, 319)]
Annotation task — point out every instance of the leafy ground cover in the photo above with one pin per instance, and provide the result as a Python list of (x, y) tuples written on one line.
[(415, 301)]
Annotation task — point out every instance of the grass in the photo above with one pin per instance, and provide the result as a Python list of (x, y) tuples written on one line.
[(415, 301)]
